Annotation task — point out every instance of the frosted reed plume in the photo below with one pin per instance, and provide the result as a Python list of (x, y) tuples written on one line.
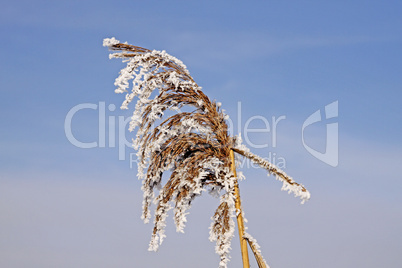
[(194, 145)]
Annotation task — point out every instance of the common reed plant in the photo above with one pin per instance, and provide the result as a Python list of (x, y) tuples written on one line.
[(194, 145)]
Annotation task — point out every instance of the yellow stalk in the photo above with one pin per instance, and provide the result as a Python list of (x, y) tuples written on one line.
[(240, 221)]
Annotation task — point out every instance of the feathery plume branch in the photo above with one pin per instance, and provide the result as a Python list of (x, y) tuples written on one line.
[(289, 184)]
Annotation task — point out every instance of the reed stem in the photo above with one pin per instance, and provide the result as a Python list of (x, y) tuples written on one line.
[(240, 220)]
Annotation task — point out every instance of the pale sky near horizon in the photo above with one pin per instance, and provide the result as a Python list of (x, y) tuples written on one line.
[(64, 206)]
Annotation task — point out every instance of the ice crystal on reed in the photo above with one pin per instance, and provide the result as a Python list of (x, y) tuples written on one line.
[(195, 145)]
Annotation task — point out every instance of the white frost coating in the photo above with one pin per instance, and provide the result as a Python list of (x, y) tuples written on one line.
[(240, 176), (214, 166), (143, 70), (239, 143), (195, 189), (297, 190), (126, 74), (157, 238), (108, 42), (223, 239), (145, 82), (288, 185), (255, 246)]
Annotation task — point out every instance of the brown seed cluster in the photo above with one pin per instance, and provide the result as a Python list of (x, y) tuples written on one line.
[(193, 145)]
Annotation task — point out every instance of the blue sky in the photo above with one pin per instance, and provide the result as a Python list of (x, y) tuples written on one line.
[(63, 206)]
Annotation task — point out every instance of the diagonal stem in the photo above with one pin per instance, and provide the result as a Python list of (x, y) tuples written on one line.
[(240, 220), (260, 260)]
